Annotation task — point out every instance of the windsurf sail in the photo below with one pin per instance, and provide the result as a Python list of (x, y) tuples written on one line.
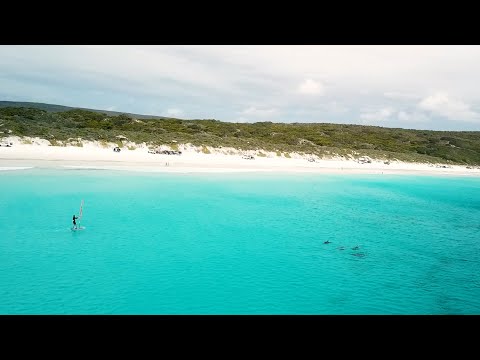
[(80, 213)]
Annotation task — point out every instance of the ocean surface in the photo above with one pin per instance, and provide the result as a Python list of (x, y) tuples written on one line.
[(238, 243)]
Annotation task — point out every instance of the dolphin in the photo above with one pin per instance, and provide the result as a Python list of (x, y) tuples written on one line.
[(359, 255)]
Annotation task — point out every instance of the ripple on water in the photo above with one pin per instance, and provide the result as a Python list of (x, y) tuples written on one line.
[(220, 244)]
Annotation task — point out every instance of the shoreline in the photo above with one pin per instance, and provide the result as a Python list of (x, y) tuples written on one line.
[(38, 153), (25, 164)]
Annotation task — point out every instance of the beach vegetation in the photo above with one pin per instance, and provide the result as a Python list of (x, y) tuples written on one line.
[(320, 139), (103, 143)]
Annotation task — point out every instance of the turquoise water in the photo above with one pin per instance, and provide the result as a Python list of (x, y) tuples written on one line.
[(238, 244)]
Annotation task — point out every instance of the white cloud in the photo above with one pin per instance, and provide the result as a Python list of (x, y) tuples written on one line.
[(199, 78), (378, 115), (444, 105), (174, 112), (400, 95), (412, 117), (336, 108), (393, 117), (311, 87), (253, 111)]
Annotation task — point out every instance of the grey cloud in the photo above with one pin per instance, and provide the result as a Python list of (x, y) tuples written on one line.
[(340, 83)]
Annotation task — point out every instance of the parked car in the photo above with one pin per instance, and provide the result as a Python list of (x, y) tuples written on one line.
[(364, 160), (169, 152)]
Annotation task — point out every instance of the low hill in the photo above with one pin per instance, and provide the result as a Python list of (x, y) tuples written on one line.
[(61, 108), (322, 139)]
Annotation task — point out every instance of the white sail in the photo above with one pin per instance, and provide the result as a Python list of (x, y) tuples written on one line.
[(79, 218), (80, 213)]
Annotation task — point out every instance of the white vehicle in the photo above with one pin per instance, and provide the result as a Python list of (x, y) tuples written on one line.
[(364, 159), (248, 157)]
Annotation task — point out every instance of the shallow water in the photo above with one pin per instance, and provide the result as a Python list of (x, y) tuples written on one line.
[(238, 244)]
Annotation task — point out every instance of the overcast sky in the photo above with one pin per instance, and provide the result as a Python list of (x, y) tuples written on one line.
[(421, 87)]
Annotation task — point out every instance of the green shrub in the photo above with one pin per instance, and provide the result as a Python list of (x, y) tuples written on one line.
[(321, 139)]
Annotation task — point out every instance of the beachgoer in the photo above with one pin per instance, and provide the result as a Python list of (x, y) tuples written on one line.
[(74, 221)]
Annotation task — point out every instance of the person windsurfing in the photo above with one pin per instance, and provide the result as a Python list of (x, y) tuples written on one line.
[(74, 221)]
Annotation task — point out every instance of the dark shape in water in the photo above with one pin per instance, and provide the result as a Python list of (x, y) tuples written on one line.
[(327, 242), (356, 248), (359, 255), (341, 248)]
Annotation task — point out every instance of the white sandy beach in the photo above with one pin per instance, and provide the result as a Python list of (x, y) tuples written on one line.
[(35, 152)]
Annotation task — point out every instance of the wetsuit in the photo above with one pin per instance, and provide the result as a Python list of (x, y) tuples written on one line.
[(74, 222)]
